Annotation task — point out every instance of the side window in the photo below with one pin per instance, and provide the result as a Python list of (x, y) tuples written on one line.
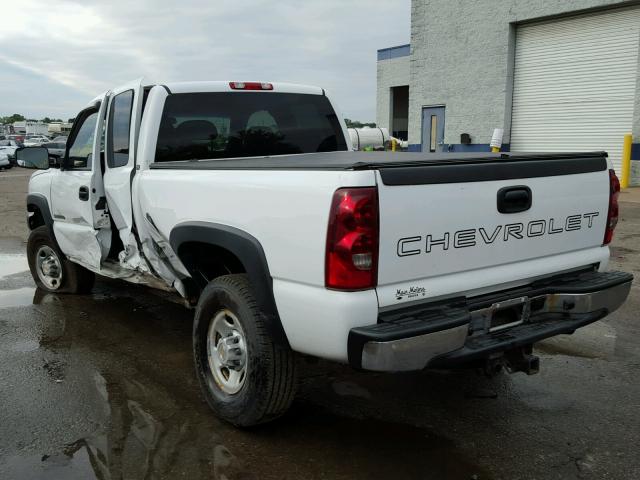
[(119, 128), (81, 150)]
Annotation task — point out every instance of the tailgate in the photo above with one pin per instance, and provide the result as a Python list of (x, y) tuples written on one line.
[(466, 228)]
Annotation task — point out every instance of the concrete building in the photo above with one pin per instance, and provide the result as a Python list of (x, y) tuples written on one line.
[(554, 75)]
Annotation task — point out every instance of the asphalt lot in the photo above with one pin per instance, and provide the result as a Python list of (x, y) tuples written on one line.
[(102, 386)]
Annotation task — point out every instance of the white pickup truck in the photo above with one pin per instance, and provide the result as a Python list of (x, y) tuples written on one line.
[(246, 199)]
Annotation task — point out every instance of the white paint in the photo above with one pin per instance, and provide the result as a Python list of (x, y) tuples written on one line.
[(422, 210), (117, 180), (287, 211), (317, 321), (79, 243), (79, 221)]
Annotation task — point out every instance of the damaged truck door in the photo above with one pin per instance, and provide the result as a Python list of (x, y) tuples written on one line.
[(77, 193), (125, 109)]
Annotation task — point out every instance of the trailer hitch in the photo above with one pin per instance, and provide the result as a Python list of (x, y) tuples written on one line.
[(522, 360)]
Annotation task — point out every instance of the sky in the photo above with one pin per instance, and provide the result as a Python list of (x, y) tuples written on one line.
[(56, 56)]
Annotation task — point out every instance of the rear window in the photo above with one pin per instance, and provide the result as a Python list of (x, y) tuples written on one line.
[(247, 124)]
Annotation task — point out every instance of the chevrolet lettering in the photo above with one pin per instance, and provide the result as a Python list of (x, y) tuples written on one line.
[(471, 237)]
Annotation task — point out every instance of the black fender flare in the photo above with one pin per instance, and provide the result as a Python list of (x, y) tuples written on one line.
[(40, 202), (249, 251)]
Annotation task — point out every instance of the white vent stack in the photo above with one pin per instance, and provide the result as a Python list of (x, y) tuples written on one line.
[(375, 138)]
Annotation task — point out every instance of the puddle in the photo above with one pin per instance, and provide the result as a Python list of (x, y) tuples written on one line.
[(120, 400), (139, 445), (24, 346), (11, 264), (43, 467), (19, 297)]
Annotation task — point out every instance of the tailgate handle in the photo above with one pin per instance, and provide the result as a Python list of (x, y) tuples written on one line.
[(514, 199)]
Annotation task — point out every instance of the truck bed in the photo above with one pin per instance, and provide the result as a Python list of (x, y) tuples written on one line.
[(443, 230)]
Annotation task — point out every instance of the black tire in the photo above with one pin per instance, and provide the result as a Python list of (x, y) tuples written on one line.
[(74, 278), (270, 382)]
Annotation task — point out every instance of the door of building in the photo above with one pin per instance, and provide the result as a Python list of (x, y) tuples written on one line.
[(432, 129)]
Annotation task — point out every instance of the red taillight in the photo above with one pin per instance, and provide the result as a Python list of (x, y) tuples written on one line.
[(612, 216), (250, 86), (352, 239)]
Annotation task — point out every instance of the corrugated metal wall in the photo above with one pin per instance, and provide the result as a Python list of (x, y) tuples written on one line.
[(574, 83)]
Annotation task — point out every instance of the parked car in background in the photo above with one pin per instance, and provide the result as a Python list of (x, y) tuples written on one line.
[(17, 138), (4, 161), (56, 151), (9, 147), (35, 141), (61, 138)]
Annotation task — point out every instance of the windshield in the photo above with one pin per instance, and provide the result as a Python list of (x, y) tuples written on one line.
[(247, 124)]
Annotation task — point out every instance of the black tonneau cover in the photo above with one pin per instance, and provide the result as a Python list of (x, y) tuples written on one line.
[(401, 168)]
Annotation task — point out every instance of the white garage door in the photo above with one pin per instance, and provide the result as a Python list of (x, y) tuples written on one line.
[(574, 83)]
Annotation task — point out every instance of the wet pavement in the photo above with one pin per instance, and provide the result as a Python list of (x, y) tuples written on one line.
[(102, 386)]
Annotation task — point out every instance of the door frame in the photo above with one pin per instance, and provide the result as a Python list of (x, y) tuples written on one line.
[(118, 180), (422, 108)]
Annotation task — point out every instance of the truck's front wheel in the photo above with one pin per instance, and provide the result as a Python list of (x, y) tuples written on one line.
[(246, 377), (50, 269)]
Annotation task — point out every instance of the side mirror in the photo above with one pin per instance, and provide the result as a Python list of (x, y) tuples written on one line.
[(33, 157)]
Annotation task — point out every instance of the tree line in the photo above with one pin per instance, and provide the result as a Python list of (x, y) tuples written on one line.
[(356, 124), (16, 117)]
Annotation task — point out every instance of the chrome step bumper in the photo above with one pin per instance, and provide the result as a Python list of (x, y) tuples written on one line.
[(463, 330)]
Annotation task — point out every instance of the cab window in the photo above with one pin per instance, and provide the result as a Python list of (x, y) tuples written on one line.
[(216, 125), (81, 150), (119, 128)]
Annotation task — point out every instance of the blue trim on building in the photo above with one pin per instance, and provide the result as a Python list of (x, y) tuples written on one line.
[(394, 52), (459, 147), (474, 147), (635, 151)]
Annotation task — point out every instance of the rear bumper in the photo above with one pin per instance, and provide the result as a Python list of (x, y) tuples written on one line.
[(462, 330)]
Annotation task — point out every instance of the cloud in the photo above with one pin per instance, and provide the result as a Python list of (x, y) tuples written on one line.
[(76, 49)]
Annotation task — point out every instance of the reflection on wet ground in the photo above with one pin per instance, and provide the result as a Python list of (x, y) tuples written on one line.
[(121, 363), (11, 264), (102, 386), (16, 298)]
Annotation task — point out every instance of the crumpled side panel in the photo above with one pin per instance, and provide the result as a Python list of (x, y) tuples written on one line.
[(79, 243)]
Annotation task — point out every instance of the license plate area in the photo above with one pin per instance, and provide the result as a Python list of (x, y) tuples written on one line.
[(502, 315)]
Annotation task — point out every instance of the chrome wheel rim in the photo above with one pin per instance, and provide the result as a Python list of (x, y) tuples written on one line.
[(49, 267), (227, 352)]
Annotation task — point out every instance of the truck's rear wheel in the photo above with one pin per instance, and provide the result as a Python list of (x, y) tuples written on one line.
[(246, 377), (50, 269)]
